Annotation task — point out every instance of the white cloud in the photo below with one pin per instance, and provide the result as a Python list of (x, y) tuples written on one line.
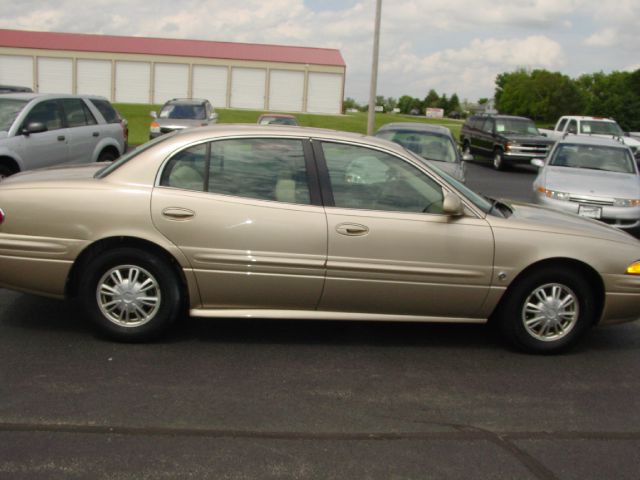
[(450, 45)]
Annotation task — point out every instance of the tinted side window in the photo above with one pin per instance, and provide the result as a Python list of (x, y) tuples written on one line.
[(487, 126), (264, 169), (77, 113), (106, 110), (186, 169), (561, 125), (47, 112), (368, 179)]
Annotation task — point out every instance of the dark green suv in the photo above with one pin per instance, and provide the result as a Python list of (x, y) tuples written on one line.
[(504, 138)]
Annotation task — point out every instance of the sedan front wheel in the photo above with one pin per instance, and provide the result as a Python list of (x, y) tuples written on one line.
[(547, 311)]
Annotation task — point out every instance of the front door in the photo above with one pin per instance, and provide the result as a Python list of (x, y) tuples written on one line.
[(391, 249), (245, 214)]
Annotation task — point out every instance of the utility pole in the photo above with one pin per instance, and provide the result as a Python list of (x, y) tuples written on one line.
[(374, 72)]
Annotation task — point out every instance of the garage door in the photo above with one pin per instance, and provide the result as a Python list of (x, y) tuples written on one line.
[(210, 83), (133, 82), (324, 93), (16, 71), (171, 81), (248, 88), (286, 90), (55, 75), (94, 77)]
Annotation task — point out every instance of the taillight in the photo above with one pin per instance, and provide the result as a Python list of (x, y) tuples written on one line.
[(1, 216)]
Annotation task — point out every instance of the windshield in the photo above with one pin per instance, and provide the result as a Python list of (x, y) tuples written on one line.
[(9, 110), (132, 154), (277, 121), (600, 127), (183, 112), (610, 159), (520, 126), (430, 146)]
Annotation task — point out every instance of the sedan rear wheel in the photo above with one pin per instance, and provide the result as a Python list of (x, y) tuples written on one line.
[(547, 311), (131, 295)]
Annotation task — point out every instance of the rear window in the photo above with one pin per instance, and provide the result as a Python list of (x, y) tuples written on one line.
[(106, 109)]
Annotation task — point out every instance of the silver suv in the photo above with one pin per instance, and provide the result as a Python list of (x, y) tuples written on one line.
[(40, 130)]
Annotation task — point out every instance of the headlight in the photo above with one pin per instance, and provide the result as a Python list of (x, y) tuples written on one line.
[(634, 268), (555, 195), (626, 202)]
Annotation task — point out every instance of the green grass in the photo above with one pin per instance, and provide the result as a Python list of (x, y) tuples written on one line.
[(139, 120)]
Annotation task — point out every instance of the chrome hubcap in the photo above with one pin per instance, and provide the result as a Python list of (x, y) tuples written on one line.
[(128, 296), (497, 160), (550, 312)]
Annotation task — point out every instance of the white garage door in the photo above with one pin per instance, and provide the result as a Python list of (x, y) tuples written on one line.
[(171, 81), (210, 83), (94, 77), (133, 82), (55, 75), (248, 88), (16, 71), (324, 93), (286, 90)]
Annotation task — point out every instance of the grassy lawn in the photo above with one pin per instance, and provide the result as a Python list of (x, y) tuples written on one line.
[(139, 120)]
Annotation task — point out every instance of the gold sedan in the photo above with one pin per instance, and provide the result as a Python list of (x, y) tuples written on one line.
[(284, 222)]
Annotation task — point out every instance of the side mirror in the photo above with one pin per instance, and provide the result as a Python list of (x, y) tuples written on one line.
[(153, 114), (543, 134), (537, 162), (34, 127), (452, 205)]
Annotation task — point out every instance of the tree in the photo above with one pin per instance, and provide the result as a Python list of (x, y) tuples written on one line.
[(431, 100)]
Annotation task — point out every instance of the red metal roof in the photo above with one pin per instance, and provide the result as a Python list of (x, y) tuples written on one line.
[(81, 42)]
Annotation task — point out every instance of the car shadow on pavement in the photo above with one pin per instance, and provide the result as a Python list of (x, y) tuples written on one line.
[(40, 315)]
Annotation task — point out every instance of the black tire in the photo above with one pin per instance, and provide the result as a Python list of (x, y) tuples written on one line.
[(498, 159), (6, 171), (130, 295), (107, 156), (542, 324)]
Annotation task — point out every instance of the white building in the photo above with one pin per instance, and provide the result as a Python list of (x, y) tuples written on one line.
[(153, 70)]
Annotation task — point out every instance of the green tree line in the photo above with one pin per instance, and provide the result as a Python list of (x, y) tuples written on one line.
[(545, 96), (407, 104)]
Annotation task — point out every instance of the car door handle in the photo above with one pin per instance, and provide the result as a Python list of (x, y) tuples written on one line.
[(96, 134), (177, 213), (352, 229), (61, 138)]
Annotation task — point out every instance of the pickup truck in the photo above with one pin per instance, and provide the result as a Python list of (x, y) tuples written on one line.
[(504, 138), (594, 126)]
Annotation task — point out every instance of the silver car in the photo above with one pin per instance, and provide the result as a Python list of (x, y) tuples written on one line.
[(433, 144), (181, 113), (592, 177), (41, 130)]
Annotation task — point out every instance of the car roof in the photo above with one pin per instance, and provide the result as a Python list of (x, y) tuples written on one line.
[(415, 126), (48, 96), (589, 140), (186, 101), (278, 115), (249, 129)]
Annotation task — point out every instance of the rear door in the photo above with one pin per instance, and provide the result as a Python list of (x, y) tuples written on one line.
[(391, 249), (246, 212), (84, 132)]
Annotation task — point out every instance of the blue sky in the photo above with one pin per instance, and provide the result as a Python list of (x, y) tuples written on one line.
[(452, 46)]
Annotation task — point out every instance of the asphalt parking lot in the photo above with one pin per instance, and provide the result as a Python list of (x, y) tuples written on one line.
[(236, 399)]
